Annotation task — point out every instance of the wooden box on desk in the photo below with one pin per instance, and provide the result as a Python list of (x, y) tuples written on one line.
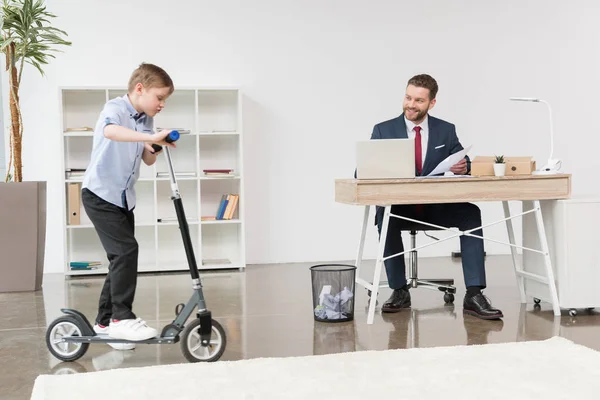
[(484, 166)]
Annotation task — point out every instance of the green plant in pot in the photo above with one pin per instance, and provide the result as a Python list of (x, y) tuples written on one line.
[(499, 166), (27, 38)]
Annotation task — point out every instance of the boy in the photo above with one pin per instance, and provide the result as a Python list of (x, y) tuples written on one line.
[(122, 139)]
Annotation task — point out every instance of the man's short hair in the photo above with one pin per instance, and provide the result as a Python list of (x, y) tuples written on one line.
[(150, 76), (425, 81)]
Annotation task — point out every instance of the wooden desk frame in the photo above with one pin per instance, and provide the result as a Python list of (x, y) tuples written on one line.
[(370, 193)]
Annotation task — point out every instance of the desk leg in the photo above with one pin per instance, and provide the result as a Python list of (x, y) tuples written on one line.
[(549, 271), (513, 252), (361, 245), (378, 265)]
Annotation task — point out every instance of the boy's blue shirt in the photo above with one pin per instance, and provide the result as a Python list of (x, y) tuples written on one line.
[(114, 167)]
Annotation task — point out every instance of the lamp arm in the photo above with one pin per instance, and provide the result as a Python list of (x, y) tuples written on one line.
[(551, 128)]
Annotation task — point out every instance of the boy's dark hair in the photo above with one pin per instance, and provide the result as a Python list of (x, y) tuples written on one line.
[(425, 81), (150, 76)]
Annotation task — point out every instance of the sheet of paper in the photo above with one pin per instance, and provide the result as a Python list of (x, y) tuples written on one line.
[(443, 176), (452, 159)]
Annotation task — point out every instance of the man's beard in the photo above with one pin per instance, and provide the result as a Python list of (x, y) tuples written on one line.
[(420, 115)]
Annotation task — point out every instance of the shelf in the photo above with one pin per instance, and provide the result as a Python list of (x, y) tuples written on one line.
[(77, 180), (210, 123), (78, 134), (103, 269), (217, 133), (212, 178), (88, 226), (187, 133), (176, 223), (221, 266), (178, 178), (221, 221)]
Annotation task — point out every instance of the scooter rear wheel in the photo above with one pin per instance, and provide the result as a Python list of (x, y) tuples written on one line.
[(191, 345), (62, 327)]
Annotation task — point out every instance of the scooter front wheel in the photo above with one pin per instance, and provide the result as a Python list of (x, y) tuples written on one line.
[(191, 344), (62, 327)]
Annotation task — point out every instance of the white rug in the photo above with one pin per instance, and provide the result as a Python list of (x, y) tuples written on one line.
[(552, 369)]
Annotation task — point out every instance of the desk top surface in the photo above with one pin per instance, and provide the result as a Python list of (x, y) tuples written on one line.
[(446, 179), (452, 189)]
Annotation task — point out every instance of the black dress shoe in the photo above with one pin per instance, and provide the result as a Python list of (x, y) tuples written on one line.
[(480, 307), (399, 299)]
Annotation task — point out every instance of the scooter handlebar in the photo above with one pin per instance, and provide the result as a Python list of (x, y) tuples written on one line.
[(171, 137)]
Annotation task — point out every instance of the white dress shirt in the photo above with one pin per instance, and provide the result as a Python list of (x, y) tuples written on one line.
[(424, 134)]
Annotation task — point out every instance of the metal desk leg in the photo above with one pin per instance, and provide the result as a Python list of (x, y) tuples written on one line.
[(547, 260), (378, 265), (361, 245), (513, 251)]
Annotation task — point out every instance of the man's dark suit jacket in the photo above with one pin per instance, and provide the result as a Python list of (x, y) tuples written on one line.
[(442, 141)]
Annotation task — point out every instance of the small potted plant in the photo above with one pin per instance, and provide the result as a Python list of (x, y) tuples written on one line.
[(499, 166)]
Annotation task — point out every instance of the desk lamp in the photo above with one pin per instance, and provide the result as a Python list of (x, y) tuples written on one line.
[(553, 165)]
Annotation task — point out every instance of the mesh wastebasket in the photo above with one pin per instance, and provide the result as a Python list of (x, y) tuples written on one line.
[(333, 292)]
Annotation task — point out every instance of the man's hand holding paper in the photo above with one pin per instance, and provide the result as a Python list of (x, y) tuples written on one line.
[(460, 168), (455, 163)]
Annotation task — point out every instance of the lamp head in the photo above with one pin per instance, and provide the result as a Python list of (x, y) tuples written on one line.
[(525, 99)]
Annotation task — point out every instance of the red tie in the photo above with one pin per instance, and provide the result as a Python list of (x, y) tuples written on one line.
[(418, 150), (419, 163)]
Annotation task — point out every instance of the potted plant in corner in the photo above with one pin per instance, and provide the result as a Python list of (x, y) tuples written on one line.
[(27, 38), (499, 166)]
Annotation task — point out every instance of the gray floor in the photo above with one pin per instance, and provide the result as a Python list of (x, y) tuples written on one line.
[(267, 312)]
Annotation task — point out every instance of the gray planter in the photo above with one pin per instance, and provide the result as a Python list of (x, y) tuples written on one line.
[(22, 235)]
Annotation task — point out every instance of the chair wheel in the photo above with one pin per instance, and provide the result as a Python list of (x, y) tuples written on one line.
[(448, 298), (572, 312), (536, 300)]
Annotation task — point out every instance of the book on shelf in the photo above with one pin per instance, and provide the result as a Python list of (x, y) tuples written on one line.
[(81, 265), (218, 172), (177, 174), (227, 206)]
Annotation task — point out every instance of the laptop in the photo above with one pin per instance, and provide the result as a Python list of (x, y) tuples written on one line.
[(385, 159)]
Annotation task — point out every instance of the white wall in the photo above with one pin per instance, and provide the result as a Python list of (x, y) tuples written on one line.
[(317, 76)]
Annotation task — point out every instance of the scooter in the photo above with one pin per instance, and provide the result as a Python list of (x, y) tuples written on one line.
[(68, 337)]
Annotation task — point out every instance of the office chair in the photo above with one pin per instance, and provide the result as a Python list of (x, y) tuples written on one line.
[(413, 281)]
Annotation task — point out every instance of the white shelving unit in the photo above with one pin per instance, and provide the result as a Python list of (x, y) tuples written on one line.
[(213, 117)]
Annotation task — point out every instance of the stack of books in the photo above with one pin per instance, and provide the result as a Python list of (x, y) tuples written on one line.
[(84, 265), (226, 209), (221, 173)]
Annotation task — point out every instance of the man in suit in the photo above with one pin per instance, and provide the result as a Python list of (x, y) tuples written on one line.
[(435, 140)]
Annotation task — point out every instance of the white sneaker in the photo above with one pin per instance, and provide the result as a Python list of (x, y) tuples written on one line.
[(117, 346), (131, 329)]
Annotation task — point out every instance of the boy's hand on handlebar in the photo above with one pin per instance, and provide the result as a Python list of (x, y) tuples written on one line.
[(150, 149), (159, 138)]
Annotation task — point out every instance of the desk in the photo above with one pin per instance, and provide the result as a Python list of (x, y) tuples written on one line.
[(388, 192)]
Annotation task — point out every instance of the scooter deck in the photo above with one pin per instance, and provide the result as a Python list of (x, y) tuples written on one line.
[(103, 338)]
